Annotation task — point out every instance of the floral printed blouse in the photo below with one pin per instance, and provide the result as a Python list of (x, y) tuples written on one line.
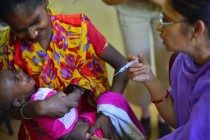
[(71, 58)]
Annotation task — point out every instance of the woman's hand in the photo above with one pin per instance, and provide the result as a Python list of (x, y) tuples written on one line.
[(57, 105), (104, 123), (141, 71)]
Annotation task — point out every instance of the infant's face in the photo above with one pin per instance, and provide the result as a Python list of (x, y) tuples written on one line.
[(17, 83)]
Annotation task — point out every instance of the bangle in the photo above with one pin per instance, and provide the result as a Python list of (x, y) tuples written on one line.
[(21, 112), (161, 100)]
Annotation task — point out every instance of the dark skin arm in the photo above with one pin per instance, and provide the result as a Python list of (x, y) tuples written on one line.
[(116, 60), (61, 106)]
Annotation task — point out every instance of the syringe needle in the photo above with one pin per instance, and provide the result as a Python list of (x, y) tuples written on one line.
[(126, 66), (116, 73)]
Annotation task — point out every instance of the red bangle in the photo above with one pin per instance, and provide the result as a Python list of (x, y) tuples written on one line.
[(161, 100)]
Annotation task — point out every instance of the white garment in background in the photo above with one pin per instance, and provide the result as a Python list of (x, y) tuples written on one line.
[(138, 20)]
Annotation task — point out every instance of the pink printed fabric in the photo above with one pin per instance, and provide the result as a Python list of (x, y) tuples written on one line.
[(55, 128)]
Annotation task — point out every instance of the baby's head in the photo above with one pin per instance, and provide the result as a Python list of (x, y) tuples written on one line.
[(15, 88)]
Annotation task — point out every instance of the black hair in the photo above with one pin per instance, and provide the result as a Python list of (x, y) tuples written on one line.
[(193, 10), (7, 6)]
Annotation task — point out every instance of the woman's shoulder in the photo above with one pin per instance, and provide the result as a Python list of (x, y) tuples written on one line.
[(72, 19)]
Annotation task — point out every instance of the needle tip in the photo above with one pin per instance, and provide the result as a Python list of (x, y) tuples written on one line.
[(116, 73)]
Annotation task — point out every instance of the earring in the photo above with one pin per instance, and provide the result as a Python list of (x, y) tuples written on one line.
[(194, 41)]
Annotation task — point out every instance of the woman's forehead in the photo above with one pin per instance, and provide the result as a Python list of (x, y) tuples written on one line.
[(24, 9), (21, 18)]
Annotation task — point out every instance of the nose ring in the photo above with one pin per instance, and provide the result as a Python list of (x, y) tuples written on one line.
[(159, 26), (36, 33)]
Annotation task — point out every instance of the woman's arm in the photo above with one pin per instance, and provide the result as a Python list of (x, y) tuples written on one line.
[(110, 55), (142, 72), (116, 60), (55, 106)]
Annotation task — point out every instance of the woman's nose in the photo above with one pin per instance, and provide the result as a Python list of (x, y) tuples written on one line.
[(32, 33)]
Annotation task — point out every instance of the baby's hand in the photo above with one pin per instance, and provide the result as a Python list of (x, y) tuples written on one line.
[(105, 125)]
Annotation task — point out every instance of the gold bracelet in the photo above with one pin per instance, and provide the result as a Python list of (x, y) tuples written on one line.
[(21, 112)]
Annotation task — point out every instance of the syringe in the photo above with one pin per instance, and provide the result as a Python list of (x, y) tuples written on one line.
[(127, 66)]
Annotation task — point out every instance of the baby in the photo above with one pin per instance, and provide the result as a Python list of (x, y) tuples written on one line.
[(17, 88)]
